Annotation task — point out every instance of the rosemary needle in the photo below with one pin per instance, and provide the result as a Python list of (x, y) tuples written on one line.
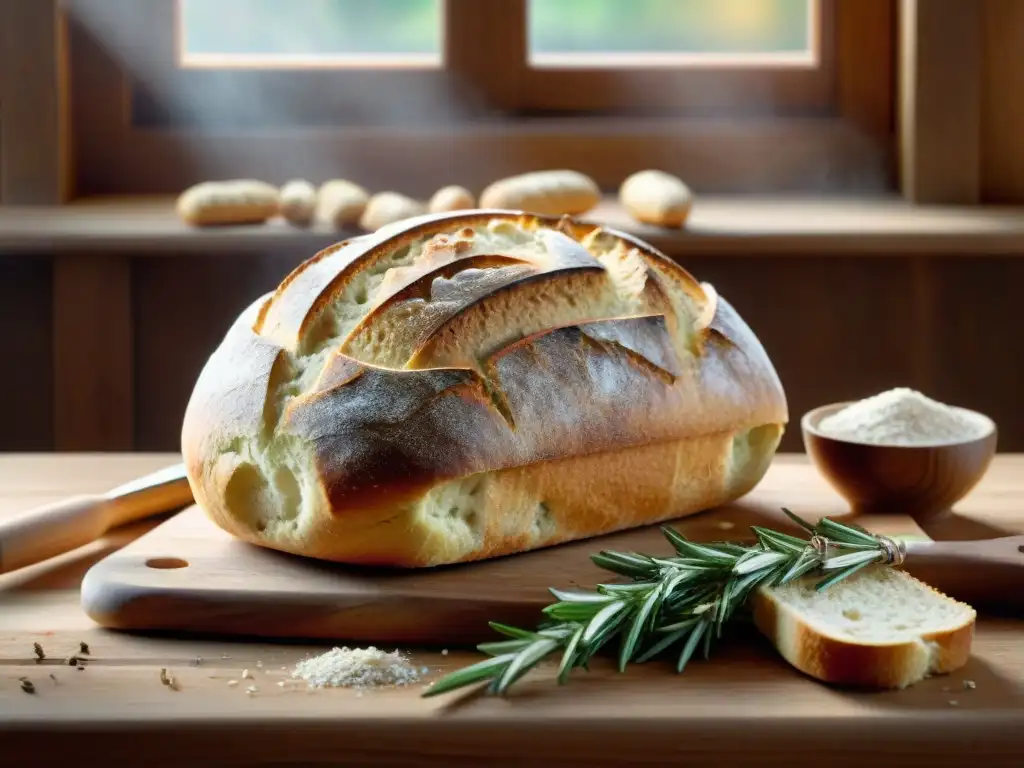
[(680, 601)]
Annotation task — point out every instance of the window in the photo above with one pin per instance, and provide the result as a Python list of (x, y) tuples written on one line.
[(655, 56), (309, 33), (670, 32), (733, 94)]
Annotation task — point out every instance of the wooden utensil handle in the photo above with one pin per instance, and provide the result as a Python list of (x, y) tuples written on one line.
[(984, 572), (152, 501), (51, 530)]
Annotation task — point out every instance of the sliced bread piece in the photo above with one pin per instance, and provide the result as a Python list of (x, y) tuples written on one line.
[(880, 628)]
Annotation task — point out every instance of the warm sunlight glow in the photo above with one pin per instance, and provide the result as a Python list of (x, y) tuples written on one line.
[(673, 33), (287, 34), (283, 34)]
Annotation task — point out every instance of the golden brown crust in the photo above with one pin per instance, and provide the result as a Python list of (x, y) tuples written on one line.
[(546, 193), (224, 203), (843, 661), (295, 439), (655, 197)]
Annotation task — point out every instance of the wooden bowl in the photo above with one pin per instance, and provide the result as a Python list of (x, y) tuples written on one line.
[(922, 481)]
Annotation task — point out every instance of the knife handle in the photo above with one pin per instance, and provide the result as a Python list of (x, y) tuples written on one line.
[(51, 530), (987, 571)]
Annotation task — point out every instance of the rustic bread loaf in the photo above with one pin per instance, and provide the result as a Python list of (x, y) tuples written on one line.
[(223, 203), (547, 193), (880, 628), (466, 385), (387, 208), (451, 198), (341, 203), (655, 197), (298, 202)]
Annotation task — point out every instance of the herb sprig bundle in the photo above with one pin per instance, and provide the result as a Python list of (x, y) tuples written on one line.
[(681, 601)]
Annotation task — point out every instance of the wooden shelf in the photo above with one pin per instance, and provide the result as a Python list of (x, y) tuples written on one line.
[(718, 225)]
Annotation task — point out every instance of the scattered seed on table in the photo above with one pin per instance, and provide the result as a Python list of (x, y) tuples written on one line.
[(168, 680), (39, 652), (27, 686), (83, 648)]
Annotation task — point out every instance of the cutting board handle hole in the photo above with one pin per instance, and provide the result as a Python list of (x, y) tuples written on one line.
[(166, 563), (1021, 548)]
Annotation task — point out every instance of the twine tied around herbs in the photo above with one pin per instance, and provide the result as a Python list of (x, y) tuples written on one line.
[(820, 545), (895, 552)]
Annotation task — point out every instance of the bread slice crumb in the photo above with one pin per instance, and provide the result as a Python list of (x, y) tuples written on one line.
[(879, 628)]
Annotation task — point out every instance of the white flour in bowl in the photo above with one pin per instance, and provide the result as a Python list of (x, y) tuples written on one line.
[(902, 416)]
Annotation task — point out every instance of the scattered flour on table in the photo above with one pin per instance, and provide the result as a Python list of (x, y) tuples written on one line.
[(357, 668), (902, 416)]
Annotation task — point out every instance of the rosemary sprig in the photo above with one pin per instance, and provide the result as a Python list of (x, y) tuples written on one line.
[(678, 601)]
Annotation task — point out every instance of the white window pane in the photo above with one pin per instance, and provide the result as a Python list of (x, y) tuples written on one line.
[(278, 30), (566, 28)]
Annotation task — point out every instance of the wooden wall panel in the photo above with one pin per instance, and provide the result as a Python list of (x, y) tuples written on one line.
[(92, 352), (978, 326), (183, 308), (34, 136), (1002, 105), (835, 328), (26, 384), (940, 100)]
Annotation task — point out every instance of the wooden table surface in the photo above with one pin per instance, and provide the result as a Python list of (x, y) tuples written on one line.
[(116, 708)]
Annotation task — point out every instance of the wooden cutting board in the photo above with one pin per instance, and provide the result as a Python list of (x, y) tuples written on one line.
[(187, 575)]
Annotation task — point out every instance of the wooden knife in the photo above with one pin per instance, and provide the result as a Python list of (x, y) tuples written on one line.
[(51, 530)]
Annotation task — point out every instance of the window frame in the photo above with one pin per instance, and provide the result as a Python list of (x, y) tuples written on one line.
[(679, 86), (823, 130), (486, 73)]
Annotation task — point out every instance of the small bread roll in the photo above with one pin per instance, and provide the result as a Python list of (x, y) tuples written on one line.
[(341, 203), (298, 202), (388, 207), (656, 197), (452, 198), (219, 203), (548, 193)]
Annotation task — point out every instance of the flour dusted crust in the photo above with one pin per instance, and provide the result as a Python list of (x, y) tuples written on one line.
[(466, 385)]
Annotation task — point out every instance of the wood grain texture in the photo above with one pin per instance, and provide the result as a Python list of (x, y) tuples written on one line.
[(116, 706), (27, 325), (92, 353), (940, 100), (866, 56), (821, 227), (34, 159), (1002, 112)]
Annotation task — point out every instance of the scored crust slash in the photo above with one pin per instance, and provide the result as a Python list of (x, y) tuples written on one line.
[(461, 386)]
